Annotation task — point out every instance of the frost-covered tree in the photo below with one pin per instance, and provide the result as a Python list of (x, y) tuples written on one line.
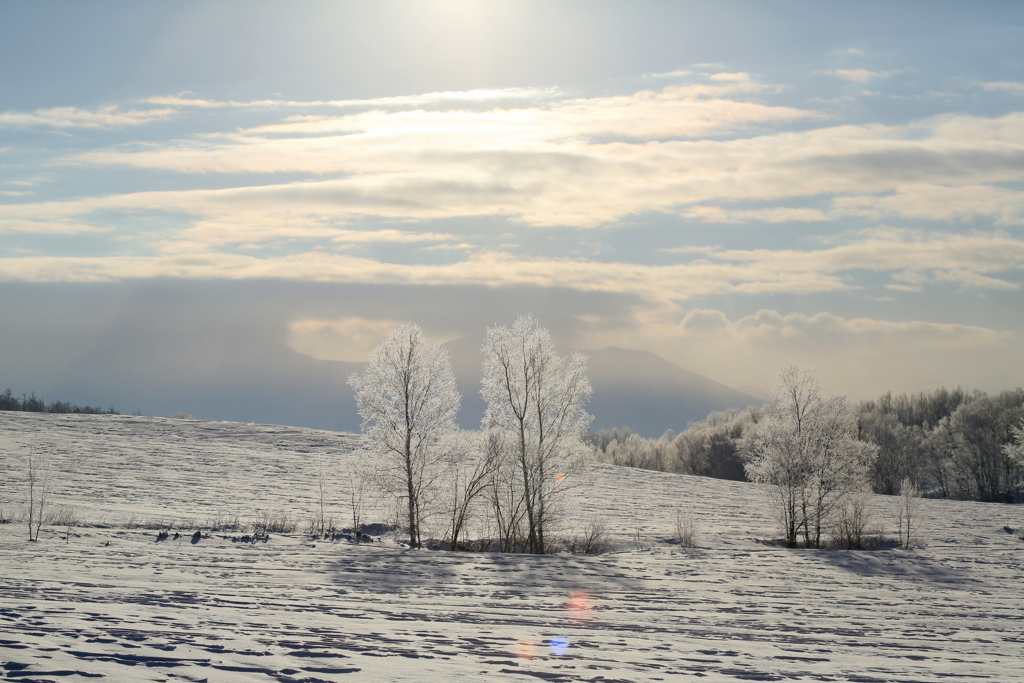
[(780, 458), (505, 495), (467, 480), (840, 465), (535, 418), (908, 513), (807, 455), (1015, 450), (408, 400)]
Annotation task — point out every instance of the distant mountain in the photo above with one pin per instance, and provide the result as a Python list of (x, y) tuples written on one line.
[(760, 394), (634, 389)]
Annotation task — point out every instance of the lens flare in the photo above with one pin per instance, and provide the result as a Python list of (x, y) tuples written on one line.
[(559, 478), (558, 646), (525, 650), (579, 604)]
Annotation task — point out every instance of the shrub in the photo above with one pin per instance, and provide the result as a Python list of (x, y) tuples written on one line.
[(852, 518), (267, 521), (7, 515), (686, 529), (908, 514), (321, 527), (223, 522), (63, 516), (593, 540)]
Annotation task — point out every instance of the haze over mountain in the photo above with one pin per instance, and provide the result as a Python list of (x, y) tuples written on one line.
[(634, 389), (232, 360)]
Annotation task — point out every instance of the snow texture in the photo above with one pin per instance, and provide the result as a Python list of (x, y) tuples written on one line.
[(118, 603)]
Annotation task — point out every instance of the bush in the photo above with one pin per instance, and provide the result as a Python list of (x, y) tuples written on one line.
[(850, 529), (268, 521), (63, 516), (7, 515), (322, 527), (593, 540), (223, 522), (687, 531)]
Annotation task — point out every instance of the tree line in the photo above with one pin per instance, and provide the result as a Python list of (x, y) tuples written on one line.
[(30, 403), (949, 443)]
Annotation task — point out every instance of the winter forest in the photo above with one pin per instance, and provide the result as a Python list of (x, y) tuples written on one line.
[(950, 443)]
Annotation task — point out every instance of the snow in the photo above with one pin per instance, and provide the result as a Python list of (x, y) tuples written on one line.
[(292, 609)]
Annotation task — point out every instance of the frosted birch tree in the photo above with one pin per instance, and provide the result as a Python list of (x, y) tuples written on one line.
[(408, 400), (840, 465), (467, 480), (779, 457), (908, 513), (1015, 449), (807, 456), (535, 416)]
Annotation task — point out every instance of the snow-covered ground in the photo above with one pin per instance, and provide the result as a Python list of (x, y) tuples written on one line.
[(116, 602)]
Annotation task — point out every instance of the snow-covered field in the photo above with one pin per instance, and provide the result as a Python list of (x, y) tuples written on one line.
[(115, 602)]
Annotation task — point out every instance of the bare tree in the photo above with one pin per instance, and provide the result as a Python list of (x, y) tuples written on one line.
[(505, 494), (908, 513), (408, 400), (38, 475), (356, 502), (535, 410), (468, 478), (807, 455), (323, 473), (852, 519)]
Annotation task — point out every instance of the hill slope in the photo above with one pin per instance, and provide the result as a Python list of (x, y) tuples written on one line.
[(116, 602)]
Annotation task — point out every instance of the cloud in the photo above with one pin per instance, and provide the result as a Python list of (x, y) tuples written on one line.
[(856, 75), (938, 203), (379, 139), (737, 77), (393, 236), (862, 356), (901, 251), (347, 339), (1012, 87), (699, 151), (678, 73), (72, 117), (590, 162), (463, 97), (777, 214), (979, 260), (768, 325), (915, 281)]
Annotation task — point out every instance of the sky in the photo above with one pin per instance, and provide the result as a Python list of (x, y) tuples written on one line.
[(212, 187)]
